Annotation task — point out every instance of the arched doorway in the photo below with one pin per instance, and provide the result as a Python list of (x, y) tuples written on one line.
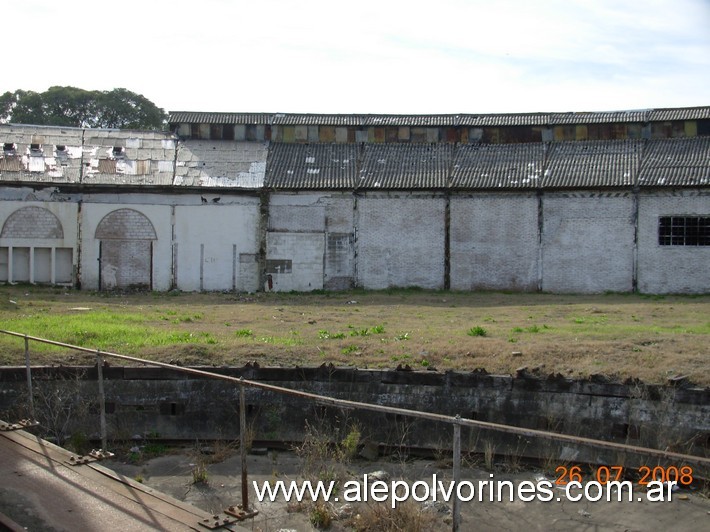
[(125, 250), (31, 248)]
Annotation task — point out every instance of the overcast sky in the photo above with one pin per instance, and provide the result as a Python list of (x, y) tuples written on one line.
[(368, 56)]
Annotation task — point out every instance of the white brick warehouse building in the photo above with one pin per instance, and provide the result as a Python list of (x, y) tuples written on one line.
[(572, 202)]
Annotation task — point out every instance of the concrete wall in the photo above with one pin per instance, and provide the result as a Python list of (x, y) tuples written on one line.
[(216, 246), (329, 215), (588, 242), (494, 242), (671, 269), (400, 240), (152, 400)]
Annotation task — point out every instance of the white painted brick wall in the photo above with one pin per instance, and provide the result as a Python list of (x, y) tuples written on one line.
[(671, 269), (494, 242), (588, 241), (400, 241), (305, 250)]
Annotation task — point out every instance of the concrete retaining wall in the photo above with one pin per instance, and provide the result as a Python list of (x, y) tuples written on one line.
[(170, 405)]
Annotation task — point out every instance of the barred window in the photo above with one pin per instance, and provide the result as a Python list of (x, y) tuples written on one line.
[(684, 231)]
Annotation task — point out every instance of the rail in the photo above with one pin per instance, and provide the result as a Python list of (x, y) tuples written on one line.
[(456, 421)]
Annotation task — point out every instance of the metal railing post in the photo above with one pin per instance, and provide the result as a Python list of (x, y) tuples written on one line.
[(243, 447), (102, 399), (30, 395), (456, 523)]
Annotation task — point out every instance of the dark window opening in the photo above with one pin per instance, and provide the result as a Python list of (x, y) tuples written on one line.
[(8, 147), (172, 409), (216, 132), (279, 266), (228, 132), (684, 231), (250, 132), (61, 148), (118, 151), (194, 131), (35, 148)]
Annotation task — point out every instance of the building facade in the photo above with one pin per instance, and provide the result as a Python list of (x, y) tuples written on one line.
[(572, 202)]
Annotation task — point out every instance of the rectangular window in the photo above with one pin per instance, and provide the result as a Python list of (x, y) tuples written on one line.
[(684, 231)]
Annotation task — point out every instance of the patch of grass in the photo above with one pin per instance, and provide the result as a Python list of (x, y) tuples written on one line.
[(109, 331), (350, 349), (243, 333), (477, 331)]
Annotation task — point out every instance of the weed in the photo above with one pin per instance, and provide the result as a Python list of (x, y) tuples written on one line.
[(383, 518), (244, 333), (350, 443), (489, 454), (151, 450), (477, 331), (199, 473), (139, 478), (350, 349), (402, 337), (320, 515)]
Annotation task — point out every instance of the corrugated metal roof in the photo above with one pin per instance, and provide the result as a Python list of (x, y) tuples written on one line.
[(286, 119), (498, 166), (311, 166), (531, 119), (405, 166), (612, 117), (676, 162), (600, 163), (412, 120), (187, 117), (687, 113)]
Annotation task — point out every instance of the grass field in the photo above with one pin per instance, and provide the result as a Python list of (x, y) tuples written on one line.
[(619, 335)]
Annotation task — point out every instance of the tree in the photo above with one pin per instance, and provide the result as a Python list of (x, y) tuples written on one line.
[(73, 107)]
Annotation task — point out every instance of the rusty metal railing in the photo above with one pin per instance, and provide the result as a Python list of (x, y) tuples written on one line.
[(456, 421)]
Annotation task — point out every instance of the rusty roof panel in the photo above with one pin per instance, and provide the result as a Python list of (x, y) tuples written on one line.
[(531, 119), (405, 166), (498, 166), (612, 117), (605, 163), (687, 113), (311, 166), (187, 117), (676, 162)]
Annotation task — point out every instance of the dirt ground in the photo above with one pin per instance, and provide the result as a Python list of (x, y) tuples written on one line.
[(619, 335), (689, 510)]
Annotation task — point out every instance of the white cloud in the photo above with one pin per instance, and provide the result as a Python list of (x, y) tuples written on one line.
[(388, 56)]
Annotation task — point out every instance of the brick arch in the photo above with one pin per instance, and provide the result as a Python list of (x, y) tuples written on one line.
[(125, 224), (32, 222)]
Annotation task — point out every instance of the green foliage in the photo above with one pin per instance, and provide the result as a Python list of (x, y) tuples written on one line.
[(99, 329), (244, 333), (477, 331), (73, 107), (349, 444)]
